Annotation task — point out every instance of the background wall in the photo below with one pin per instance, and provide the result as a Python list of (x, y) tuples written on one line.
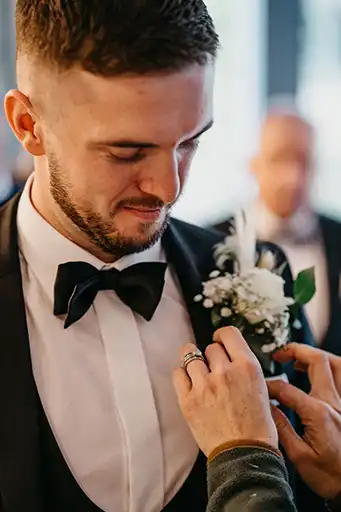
[(219, 178), (319, 95), (8, 145)]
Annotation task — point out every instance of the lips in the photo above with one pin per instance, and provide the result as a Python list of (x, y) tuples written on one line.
[(143, 213)]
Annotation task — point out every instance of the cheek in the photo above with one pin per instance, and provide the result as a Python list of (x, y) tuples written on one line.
[(98, 177), (89, 173), (108, 184)]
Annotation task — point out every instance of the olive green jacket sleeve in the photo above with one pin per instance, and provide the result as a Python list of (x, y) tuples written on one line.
[(250, 479)]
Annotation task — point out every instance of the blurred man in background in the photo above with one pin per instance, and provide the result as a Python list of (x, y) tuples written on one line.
[(283, 168)]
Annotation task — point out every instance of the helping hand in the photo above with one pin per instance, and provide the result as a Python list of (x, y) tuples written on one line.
[(226, 400), (317, 456)]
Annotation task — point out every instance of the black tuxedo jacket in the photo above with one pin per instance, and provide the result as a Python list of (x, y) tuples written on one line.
[(331, 236), (189, 252)]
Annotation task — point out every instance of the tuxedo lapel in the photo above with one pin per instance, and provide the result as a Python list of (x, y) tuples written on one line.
[(19, 450), (186, 255), (331, 231)]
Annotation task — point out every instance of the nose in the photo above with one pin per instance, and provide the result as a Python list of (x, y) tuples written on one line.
[(162, 178), (293, 177)]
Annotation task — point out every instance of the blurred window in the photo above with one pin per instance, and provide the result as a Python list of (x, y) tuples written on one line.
[(319, 95), (219, 179)]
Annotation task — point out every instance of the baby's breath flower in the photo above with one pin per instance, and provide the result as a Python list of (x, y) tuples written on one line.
[(208, 304), (226, 312), (267, 349), (297, 325)]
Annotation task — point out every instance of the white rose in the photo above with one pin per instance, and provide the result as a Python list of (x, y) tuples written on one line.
[(270, 287), (264, 294)]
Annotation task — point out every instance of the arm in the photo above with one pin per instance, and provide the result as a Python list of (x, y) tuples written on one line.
[(317, 454), (226, 405), (248, 478)]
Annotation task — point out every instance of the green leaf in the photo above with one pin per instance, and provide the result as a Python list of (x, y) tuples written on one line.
[(304, 286), (215, 318)]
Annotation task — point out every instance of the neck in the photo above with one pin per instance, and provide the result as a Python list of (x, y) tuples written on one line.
[(303, 208), (49, 210)]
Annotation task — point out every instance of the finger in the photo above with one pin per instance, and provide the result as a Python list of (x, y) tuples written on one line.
[(305, 354), (197, 370), (294, 398), (217, 359), (300, 367), (234, 343), (335, 364), (317, 363), (182, 383), (288, 438), (186, 349)]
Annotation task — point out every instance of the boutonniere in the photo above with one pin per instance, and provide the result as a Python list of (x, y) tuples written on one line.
[(252, 297)]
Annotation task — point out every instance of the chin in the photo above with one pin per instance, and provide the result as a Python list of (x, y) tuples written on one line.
[(142, 229), (138, 235)]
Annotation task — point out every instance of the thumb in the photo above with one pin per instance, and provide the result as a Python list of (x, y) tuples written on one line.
[(288, 438)]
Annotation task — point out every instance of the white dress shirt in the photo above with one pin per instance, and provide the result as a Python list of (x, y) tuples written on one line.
[(300, 239), (106, 382)]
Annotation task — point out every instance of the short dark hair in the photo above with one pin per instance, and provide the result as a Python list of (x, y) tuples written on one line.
[(109, 37)]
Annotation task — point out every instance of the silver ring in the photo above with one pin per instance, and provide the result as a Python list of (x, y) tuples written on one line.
[(192, 356)]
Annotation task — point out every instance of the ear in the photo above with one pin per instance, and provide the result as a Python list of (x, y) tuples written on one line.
[(19, 113)]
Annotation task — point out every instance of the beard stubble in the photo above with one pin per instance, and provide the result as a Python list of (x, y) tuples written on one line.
[(100, 233)]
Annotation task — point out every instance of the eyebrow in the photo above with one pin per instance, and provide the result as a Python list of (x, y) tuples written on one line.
[(134, 144)]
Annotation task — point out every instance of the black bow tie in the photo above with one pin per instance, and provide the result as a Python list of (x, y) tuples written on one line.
[(140, 287)]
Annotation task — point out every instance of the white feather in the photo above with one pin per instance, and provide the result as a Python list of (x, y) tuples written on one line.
[(246, 237)]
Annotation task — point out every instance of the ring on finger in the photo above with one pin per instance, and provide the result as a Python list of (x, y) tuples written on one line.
[(192, 356)]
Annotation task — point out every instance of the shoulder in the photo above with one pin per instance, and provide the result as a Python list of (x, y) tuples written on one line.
[(201, 241), (8, 236), (224, 226), (329, 223), (196, 242), (196, 234)]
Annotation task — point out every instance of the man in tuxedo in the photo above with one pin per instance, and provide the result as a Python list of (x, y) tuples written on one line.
[(97, 284), (283, 214)]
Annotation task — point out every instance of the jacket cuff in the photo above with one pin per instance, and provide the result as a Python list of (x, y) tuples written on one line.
[(242, 443)]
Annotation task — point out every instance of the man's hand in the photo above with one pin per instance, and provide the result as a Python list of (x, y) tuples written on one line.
[(226, 400), (317, 456)]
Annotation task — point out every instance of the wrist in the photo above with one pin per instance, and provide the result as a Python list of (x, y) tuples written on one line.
[(242, 443)]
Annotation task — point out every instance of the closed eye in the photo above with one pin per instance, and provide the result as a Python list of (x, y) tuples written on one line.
[(137, 156), (129, 156)]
